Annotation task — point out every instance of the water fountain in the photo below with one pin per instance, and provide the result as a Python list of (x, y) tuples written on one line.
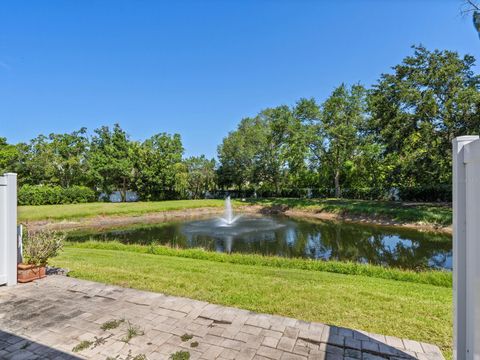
[(229, 227), (228, 218)]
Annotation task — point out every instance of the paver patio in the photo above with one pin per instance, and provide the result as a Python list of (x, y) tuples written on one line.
[(48, 318)]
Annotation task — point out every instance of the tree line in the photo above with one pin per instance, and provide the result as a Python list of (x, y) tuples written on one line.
[(390, 140), (393, 139), (106, 162)]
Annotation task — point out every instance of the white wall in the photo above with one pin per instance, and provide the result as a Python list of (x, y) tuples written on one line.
[(466, 247), (8, 229)]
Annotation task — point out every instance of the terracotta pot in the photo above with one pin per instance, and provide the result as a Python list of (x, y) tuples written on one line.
[(27, 272)]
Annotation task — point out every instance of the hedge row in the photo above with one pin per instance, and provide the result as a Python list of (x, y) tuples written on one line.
[(50, 195)]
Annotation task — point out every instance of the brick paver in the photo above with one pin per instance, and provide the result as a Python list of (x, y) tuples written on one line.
[(50, 318)]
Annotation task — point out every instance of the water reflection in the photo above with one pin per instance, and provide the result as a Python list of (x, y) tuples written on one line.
[(296, 238)]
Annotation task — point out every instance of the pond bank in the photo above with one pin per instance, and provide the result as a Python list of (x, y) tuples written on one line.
[(436, 217), (308, 212), (365, 219), (108, 221)]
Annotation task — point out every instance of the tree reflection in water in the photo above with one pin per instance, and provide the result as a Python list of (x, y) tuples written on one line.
[(322, 240)]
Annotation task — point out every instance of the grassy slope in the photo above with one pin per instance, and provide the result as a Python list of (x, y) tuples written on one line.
[(75, 211), (432, 277), (401, 212), (404, 309), (426, 214)]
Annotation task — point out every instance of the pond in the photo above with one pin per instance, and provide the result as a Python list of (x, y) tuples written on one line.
[(288, 237)]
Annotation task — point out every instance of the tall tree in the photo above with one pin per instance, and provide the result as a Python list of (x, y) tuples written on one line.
[(472, 7), (273, 151), (430, 98), (343, 116), (38, 165), (59, 159), (9, 155), (69, 152), (307, 141), (201, 176), (238, 153), (156, 163), (110, 160)]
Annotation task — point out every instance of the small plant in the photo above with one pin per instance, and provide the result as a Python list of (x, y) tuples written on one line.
[(152, 248), (132, 331), (131, 357), (112, 324), (180, 355), (140, 357), (194, 344), (85, 344), (100, 341), (186, 337), (40, 246)]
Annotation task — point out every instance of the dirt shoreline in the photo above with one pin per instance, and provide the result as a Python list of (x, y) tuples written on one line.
[(118, 220), (366, 220), (151, 218)]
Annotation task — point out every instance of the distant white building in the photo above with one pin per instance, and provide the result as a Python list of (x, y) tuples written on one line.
[(116, 197)]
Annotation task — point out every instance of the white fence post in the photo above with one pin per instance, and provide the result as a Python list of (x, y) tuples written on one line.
[(466, 247), (8, 229), (19, 244)]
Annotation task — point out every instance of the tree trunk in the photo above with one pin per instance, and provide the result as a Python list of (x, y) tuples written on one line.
[(338, 192), (123, 193)]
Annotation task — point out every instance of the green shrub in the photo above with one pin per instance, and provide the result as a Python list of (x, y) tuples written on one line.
[(77, 194), (180, 355), (40, 246), (51, 195)]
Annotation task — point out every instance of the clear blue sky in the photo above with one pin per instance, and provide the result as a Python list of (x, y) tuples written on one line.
[(198, 67)]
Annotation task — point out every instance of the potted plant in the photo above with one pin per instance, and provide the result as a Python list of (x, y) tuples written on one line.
[(38, 248)]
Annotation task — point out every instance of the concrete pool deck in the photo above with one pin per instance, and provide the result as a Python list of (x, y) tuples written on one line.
[(48, 318)]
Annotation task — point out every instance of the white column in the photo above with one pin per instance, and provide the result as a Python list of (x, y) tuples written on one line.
[(460, 261), (11, 228), (3, 230), (472, 164)]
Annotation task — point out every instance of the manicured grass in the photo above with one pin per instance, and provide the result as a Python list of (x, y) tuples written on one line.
[(431, 214), (75, 211), (405, 309), (439, 278)]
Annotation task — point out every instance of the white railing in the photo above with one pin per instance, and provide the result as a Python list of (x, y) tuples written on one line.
[(8, 229), (466, 247)]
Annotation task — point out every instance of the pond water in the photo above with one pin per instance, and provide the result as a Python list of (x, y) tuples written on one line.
[(287, 237)]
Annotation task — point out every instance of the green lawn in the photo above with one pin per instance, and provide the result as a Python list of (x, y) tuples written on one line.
[(431, 214), (431, 277), (399, 308), (76, 211)]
